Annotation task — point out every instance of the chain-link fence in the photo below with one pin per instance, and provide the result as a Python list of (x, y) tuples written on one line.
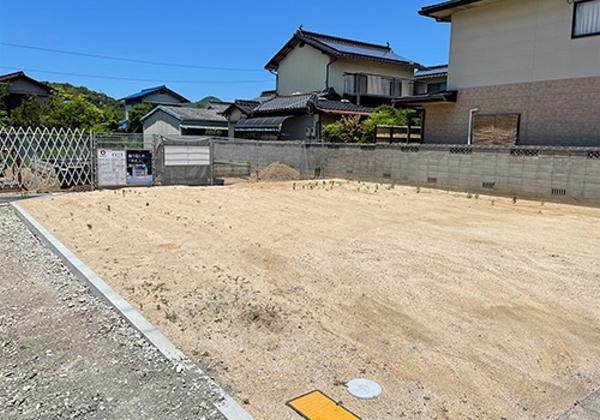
[(45, 159)]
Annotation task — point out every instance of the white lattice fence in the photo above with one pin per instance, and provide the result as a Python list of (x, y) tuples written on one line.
[(45, 159)]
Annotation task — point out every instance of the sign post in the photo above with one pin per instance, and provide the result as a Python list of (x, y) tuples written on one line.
[(112, 168)]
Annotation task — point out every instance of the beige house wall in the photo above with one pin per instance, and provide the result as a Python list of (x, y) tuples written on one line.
[(304, 69), (515, 41), (342, 66)]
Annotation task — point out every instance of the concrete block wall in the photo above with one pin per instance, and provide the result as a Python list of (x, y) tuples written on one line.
[(545, 173)]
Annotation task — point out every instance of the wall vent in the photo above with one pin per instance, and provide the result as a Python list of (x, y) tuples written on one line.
[(461, 151), (409, 149), (593, 155), (525, 152), (349, 171), (431, 180), (489, 185), (387, 175), (559, 191)]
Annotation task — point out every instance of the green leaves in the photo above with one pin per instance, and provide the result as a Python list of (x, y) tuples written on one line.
[(356, 130), (68, 107)]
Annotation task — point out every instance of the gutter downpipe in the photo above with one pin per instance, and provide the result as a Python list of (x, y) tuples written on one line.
[(331, 61), (276, 74), (470, 135)]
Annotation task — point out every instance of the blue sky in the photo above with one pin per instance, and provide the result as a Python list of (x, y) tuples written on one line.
[(233, 34)]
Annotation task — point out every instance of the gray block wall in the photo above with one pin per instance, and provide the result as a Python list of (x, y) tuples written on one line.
[(561, 174)]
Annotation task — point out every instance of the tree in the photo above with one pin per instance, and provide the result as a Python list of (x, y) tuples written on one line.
[(384, 115), (69, 111), (4, 118), (135, 125), (28, 114)]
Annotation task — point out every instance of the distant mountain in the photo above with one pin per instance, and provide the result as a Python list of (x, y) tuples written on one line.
[(202, 102)]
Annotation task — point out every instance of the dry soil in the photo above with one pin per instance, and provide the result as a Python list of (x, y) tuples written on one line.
[(459, 306)]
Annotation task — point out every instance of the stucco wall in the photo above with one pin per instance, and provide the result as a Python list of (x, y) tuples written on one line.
[(305, 70), (401, 71), (557, 112), (513, 41), (302, 70), (295, 127)]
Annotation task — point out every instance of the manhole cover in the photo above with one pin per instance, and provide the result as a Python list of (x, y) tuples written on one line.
[(364, 389)]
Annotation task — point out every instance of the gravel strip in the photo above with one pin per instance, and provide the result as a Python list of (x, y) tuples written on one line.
[(65, 353)]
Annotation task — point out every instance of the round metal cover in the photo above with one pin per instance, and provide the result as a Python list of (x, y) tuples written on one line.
[(364, 389)]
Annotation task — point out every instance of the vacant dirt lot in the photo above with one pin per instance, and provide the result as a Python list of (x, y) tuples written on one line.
[(461, 307)]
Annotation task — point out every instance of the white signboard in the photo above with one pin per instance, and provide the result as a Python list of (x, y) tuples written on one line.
[(112, 168), (187, 155)]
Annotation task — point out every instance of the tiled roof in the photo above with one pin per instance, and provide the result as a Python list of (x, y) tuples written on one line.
[(149, 91), (189, 115), (247, 106), (341, 47), (434, 71), (262, 124), (309, 102), (285, 103), (218, 106), (21, 75), (340, 107)]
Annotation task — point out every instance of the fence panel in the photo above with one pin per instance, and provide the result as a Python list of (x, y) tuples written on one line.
[(45, 159)]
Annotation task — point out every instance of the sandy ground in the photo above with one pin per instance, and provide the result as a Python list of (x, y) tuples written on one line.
[(459, 306)]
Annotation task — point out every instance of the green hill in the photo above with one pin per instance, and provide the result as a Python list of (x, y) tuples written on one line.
[(202, 102)]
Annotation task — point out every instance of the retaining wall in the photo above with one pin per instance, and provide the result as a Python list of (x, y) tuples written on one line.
[(540, 172)]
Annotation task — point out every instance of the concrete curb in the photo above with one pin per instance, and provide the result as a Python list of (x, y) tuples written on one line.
[(228, 407)]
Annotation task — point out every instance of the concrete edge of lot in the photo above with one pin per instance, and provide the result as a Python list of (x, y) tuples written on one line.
[(227, 406)]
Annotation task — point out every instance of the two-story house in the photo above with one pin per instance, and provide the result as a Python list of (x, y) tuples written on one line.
[(524, 72), (363, 73)]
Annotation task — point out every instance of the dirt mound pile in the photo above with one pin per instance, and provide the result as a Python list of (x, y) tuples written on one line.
[(278, 171)]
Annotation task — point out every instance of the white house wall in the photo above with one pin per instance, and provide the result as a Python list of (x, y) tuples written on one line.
[(516, 41)]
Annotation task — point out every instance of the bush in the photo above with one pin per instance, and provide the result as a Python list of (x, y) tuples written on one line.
[(356, 130), (346, 130)]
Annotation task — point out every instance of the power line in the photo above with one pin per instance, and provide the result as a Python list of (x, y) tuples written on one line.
[(133, 79), (128, 60)]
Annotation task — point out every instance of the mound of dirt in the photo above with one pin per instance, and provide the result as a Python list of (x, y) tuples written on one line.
[(278, 171)]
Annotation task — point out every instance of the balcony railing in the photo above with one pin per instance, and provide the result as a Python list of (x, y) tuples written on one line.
[(372, 85)]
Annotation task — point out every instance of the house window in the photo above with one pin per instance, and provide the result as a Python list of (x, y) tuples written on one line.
[(586, 19), (387, 86), (361, 84), (496, 128), (436, 87)]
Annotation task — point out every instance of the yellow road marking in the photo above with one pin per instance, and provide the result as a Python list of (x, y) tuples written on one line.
[(317, 406)]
